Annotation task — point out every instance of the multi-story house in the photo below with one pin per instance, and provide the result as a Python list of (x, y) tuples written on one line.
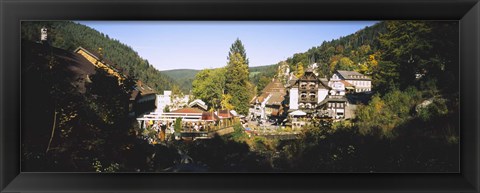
[(353, 81), (334, 106), (306, 92), (269, 103)]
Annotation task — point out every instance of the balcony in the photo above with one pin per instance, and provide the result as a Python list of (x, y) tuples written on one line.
[(308, 99), (307, 88)]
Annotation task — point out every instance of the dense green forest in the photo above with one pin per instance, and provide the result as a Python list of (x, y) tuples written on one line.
[(389, 50), (355, 51), (69, 35), (183, 77)]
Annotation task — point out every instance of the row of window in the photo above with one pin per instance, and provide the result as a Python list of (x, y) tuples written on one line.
[(361, 83), (362, 90), (336, 105)]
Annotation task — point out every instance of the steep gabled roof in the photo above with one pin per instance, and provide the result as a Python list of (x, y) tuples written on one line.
[(109, 63), (74, 66), (274, 86), (199, 103), (276, 99), (274, 93), (143, 88), (139, 89), (309, 75)]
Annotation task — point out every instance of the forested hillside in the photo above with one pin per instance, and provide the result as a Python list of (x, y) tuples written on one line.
[(259, 76), (69, 36), (183, 77), (388, 50), (360, 47), (412, 121)]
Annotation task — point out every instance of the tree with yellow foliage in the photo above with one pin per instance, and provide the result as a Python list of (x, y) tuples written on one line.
[(226, 102), (300, 71)]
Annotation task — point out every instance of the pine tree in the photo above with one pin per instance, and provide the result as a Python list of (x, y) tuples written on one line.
[(237, 47), (236, 83)]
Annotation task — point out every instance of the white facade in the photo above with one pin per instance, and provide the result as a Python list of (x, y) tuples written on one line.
[(361, 85), (338, 88), (322, 94), (293, 98), (262, 107), (163, 101), (361, 82), (173, 104)]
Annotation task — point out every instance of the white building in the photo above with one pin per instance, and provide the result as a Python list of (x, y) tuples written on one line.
[(306, 92), (360, 83), (173, 102), (163, 101), (333, 106), (269, 103), (338, 87)]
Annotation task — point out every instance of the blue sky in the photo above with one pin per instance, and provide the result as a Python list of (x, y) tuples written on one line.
[(205, 44)]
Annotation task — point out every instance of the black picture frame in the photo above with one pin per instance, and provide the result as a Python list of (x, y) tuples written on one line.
[(13, 11)]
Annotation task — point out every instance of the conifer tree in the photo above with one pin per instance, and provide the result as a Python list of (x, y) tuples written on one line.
[(237, 84), (237, 47)]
